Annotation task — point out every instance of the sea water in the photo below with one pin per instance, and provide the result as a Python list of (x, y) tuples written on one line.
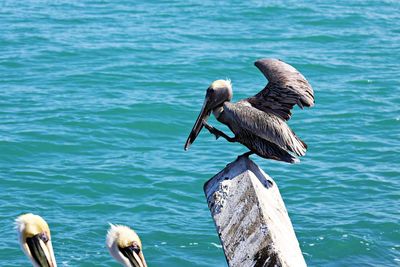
[(98, 97)]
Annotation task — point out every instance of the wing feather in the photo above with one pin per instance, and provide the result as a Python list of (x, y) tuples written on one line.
[(265, 125), (286, 87)]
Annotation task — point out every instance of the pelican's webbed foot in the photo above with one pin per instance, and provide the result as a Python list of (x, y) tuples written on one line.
[(217, 133)]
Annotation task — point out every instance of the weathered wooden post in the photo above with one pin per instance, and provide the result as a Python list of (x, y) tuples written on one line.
[(251, 218)]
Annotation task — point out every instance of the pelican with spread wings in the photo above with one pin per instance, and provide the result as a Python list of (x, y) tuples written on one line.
[(259, 122)]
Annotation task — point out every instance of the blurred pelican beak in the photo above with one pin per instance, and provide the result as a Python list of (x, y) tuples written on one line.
[(136, 259), (204, 114), (41, 252)]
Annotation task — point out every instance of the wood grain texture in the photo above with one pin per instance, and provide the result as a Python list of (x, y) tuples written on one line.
[(251, 217)]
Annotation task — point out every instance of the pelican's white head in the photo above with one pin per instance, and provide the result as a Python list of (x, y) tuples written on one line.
[(220, 91), (125, 246), (35, 240)]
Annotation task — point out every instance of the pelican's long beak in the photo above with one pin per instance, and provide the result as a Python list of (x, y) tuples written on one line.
[(204, 114), (41, 252), (136, 259)]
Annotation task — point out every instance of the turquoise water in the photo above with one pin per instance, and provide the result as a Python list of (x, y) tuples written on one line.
[(97, 99)]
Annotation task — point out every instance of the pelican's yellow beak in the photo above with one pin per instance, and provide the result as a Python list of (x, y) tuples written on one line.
[(134, 254), (40, 250)]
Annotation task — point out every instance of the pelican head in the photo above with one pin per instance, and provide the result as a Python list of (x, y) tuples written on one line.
[(125, 246), (35, 240), (219, 92)]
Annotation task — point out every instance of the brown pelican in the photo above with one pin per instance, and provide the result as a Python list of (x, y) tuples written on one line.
[(35, 240), (259, 122), (125, 246)]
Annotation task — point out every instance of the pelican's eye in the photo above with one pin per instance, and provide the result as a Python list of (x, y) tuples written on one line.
[(43, 236), (135, 248)]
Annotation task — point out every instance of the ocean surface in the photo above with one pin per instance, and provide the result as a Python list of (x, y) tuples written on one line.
[(98, 97)]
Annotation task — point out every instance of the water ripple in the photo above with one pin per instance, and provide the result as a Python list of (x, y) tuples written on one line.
[(97, 98)]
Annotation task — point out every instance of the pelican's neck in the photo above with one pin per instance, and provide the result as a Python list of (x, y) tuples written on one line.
[(218, 111)]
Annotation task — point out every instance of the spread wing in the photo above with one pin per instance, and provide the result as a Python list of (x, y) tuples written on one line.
[(286, 87), (264, 125)]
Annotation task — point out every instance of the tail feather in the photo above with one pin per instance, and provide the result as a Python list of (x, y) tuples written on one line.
[(296, 145)]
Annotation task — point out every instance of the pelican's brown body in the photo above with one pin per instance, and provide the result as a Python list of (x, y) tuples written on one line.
[(259, 122), (257, 144)]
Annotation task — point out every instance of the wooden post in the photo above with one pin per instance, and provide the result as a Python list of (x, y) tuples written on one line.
[(251, 218)]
